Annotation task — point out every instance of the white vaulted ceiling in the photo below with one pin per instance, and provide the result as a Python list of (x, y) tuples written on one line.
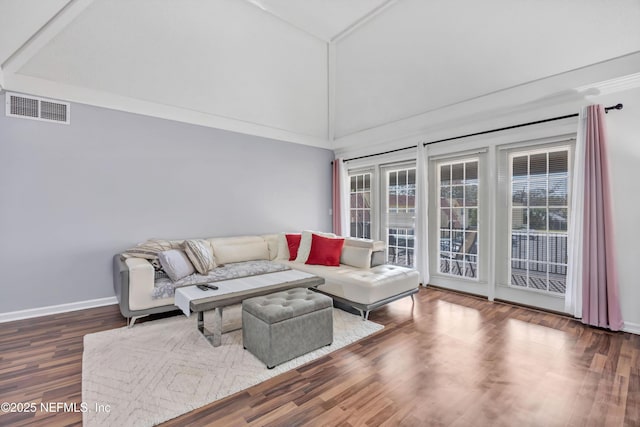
[(330, 73)]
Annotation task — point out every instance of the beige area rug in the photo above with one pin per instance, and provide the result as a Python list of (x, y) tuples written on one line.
[(158, 370)]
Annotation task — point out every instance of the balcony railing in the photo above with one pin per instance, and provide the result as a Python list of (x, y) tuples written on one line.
[(539, 261)]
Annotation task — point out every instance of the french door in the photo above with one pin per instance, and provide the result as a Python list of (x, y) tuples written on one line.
[(398, 213), (458, 223), (534, 235)]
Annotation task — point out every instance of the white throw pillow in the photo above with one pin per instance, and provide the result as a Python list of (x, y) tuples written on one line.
[(283, 247), (176, 264), (356, 256), (305, 244)]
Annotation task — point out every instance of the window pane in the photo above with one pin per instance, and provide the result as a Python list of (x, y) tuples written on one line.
[(558, 251), (519, 219), (538, 192), (457, 218), (457, 173), (411, 176), (520, 193), (445, 196), (367, 200), (471, 195), (470, 242), (538, 219), (538, 164), (471, 269), (518, 274), (537, 276), (457, 195), (558, 192), (445, 218), (471, 173), (445, 262), (393, 179), (537, 247), (558, 162), (519, 246), (558, 219), (521, 166), (445, 240), (471, 219), (445, 175), (457, 240)]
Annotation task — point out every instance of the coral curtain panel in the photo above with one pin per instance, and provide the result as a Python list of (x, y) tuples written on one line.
[(600, 296)]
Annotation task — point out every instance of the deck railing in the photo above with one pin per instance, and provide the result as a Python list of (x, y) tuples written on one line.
[(542, 251)]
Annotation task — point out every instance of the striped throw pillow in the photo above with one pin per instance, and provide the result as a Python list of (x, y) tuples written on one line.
[(200, 254), (150, 249)]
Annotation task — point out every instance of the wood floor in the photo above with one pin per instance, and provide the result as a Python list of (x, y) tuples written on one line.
[(448, 360)]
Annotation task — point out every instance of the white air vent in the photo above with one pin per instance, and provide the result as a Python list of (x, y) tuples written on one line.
[(34, 108)]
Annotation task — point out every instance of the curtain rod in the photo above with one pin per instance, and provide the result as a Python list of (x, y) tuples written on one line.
[(606, 110)]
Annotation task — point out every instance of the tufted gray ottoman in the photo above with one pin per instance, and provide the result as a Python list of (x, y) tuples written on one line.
[(287, 324)]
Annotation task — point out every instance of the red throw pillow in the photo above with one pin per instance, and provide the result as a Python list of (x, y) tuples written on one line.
[(293, 241), (325, 251)]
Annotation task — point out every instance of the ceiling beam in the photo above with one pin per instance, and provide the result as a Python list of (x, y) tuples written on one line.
[(363, 20), (44, 35), (260, 6), (331, 90)]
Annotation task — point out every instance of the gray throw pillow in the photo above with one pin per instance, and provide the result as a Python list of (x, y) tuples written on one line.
[(176, 264)]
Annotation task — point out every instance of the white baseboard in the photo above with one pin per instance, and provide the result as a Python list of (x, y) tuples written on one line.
[(632, 328), (53, 309)]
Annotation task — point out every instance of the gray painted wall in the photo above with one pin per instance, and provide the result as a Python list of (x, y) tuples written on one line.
[(72, 196)]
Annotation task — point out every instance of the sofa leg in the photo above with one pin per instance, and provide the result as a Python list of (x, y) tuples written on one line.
[(131, 320), (364, 314)]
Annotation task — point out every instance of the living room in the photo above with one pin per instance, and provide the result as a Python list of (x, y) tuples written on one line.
[(196, 120)]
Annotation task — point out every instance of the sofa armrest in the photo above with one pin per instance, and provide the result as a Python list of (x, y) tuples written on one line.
[(377, 258), (133, 278), (374, 245), (377, 248)]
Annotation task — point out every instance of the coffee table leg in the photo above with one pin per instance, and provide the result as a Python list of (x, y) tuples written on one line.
[(215, 337), (217, 327)]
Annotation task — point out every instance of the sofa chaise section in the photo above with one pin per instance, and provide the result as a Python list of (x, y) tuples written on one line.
[(364, 289)]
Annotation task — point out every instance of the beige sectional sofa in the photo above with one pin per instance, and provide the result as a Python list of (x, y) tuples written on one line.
[(364, 287)]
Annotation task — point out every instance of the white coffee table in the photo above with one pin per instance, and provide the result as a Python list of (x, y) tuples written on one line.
[(192, 299)]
